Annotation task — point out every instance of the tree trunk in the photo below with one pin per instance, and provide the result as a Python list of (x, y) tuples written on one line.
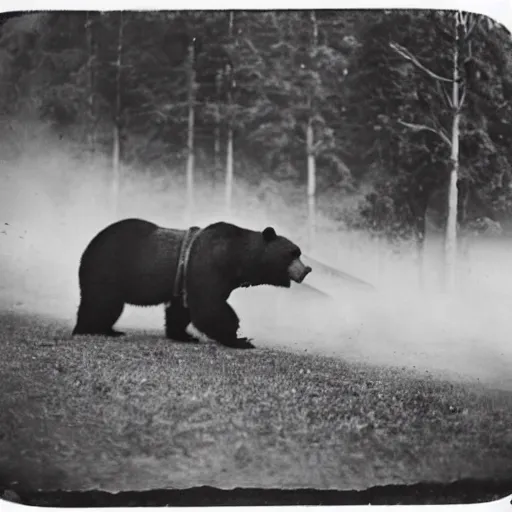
[(91, 131), (116, 135), (420, 250), (451, 225), (418, 204), (115, 170), (229, 158), (190, 140), (451, 228), (311, 187), (310, 136), (218, 84), (229, 171)]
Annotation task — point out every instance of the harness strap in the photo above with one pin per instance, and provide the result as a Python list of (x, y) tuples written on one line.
[(180, 289)]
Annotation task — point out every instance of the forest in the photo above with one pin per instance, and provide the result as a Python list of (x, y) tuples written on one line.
[(375, 140), (407, 113)]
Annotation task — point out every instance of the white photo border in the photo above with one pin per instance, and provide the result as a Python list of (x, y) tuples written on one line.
[(498, 10)]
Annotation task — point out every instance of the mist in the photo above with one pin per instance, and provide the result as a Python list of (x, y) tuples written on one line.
[(52, 202)]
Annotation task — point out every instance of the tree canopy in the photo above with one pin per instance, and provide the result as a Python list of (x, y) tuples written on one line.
[(381, 124)]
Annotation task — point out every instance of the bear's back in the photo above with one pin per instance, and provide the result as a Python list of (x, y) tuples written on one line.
[(138, 257), (151, 270)]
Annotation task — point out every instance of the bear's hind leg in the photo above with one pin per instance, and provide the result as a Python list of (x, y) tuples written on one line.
[(220, 323), (177, 318), (97, 315)]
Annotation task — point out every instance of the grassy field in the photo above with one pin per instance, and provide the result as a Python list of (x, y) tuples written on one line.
[(141, 412)]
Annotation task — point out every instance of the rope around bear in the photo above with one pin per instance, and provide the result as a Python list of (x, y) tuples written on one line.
[(180, 288)]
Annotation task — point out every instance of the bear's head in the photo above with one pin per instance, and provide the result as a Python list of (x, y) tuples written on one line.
[(280, 261)]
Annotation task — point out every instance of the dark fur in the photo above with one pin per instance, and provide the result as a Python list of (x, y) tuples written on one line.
[(135, 262)]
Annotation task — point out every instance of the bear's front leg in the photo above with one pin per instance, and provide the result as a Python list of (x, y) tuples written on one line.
[(237, 343), (177, 319), (218, 321)]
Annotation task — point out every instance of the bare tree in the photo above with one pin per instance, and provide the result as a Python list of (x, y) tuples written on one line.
[(229, 159), (91, 132), (310, 146), (190, 138), (116, 150), (216, 148), (463, 24)]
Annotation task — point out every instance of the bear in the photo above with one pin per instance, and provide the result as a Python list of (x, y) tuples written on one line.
[(191, 272)]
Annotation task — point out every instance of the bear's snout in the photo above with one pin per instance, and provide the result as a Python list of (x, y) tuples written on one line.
[(298, 271)]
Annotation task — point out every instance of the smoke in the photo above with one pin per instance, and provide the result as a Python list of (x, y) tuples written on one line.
[(464, 336), (53, 201)]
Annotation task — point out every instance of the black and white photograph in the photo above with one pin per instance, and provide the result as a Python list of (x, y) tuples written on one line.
[(256, 249)]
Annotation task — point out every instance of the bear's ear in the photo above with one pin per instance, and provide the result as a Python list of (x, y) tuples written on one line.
[(269, 234)]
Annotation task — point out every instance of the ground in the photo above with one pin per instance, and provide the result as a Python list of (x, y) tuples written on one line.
[(140, 413)]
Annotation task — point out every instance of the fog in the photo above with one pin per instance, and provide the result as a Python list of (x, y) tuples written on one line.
[(52, 203)]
